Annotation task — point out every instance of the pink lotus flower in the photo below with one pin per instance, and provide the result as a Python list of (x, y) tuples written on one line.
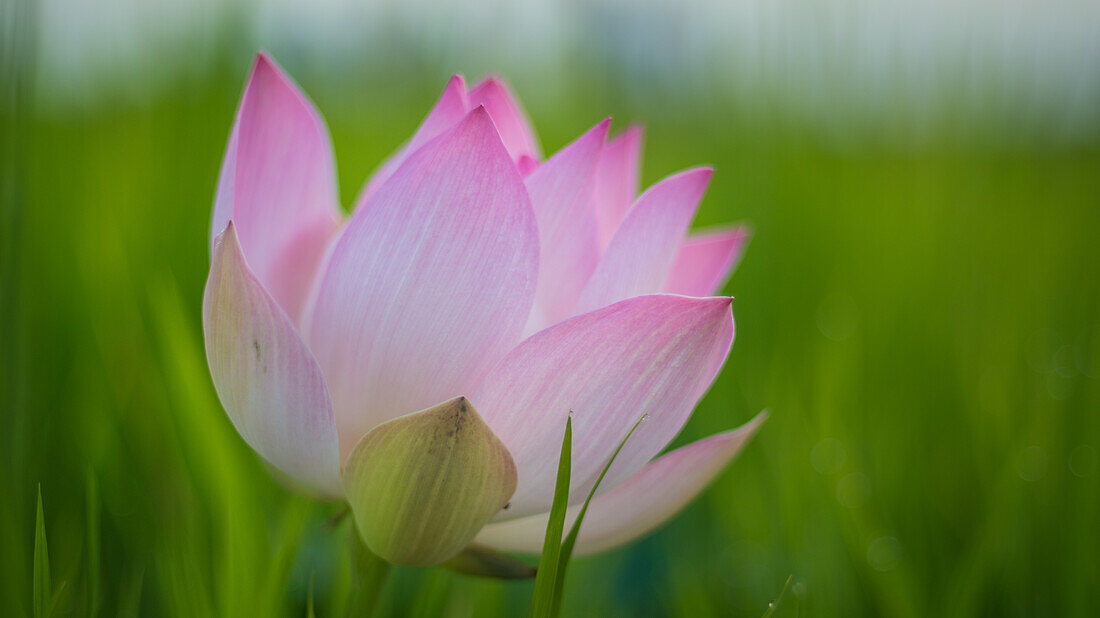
[(470, 267)]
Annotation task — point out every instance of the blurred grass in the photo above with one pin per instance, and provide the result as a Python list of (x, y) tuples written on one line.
[(923, 323)]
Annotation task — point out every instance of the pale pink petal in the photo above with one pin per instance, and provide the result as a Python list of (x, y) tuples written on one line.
[(618, 183), (641, 503), (429, 284), (278, 185), (644, 248), (650, 354), (265, 376), (448, 111), (562, 191), (508, 116), (706, 260)]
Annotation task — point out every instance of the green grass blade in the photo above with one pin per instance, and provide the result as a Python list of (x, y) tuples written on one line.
[(42, 588), (56, 600), (91, 583), (571, 540), (542, 601), (774, 604)]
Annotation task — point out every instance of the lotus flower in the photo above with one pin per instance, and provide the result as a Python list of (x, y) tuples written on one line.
[(424, 353)]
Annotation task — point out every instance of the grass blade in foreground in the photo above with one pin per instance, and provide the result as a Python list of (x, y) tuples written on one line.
[(550, 580), (542, 601), (774, 604), (41, 564), (571, 540)]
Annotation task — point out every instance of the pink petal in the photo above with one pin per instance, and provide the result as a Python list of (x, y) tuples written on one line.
[(430, 282), (618, 184), (526, 165), (644, 248), (266, 378), (655, 354), (706, 260), (649, 498), (278, 185), (451, 108), (508, 116), (562, 191)]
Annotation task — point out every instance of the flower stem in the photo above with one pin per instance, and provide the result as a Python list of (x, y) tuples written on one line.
[(368, 575), (332, 522)]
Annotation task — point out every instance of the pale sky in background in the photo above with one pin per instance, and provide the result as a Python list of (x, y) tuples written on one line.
[(1040, 59)]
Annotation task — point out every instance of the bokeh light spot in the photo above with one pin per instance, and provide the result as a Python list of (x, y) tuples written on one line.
[(1032, 465), (884, 553), (1087, 350), (853, 490), (1058, 386), (1083, 461), (1041, 348)]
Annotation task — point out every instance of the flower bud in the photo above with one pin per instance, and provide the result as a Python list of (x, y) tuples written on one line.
[(421, 486)]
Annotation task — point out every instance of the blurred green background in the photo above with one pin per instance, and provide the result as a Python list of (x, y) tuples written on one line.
[(919, 308)]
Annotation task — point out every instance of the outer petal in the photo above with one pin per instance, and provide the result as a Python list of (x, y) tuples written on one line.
[(508, 116), (266, 378), (706, 260), (429, 284), (655, 354), (618, 182), (636, 506), (451, 108), (562, 192), (278, 185), (644, 248)]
